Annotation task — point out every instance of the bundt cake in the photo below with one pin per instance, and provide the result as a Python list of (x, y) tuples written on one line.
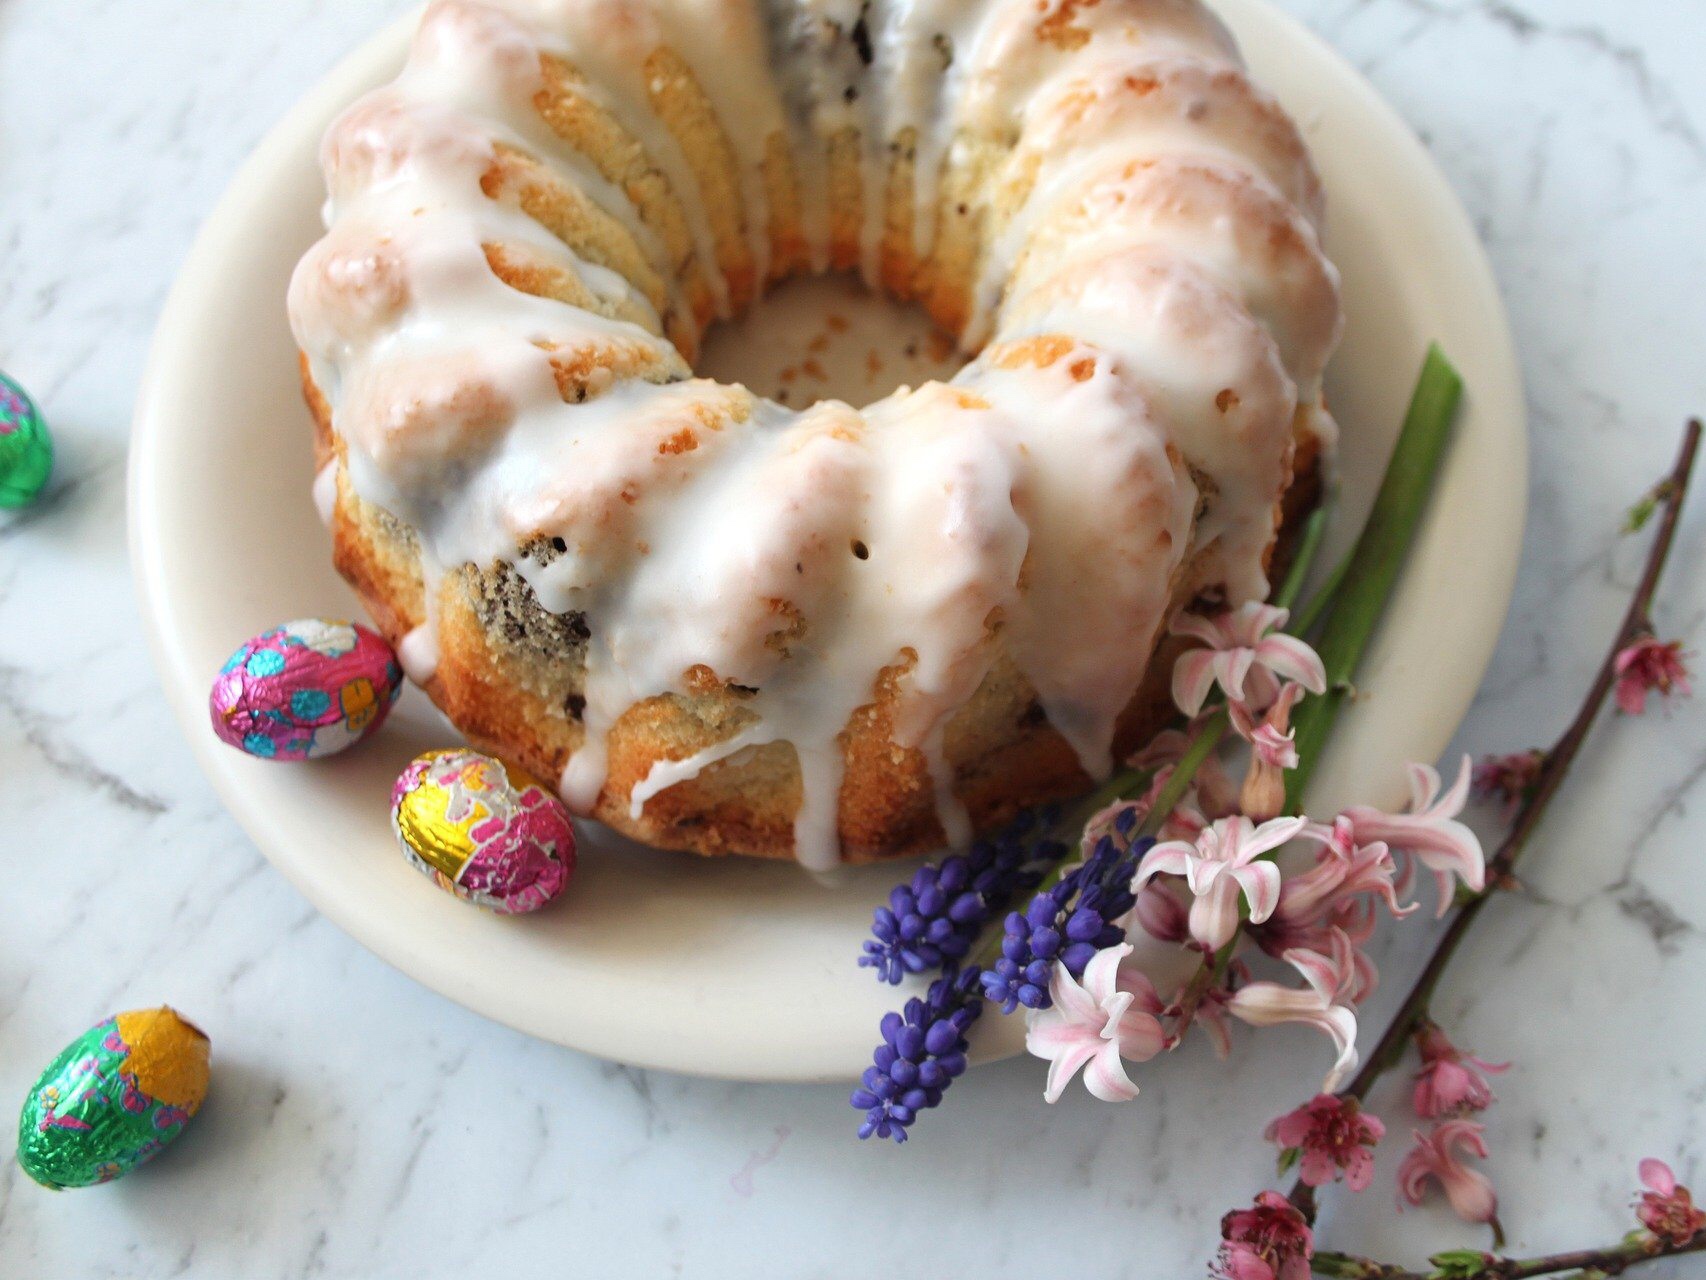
[(832, 632)]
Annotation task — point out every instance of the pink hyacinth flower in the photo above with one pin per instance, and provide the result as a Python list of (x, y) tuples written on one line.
[(1330, 1135), (1322, 1005), (1093, 1024), (1665, 1207), (1222, 865), (1429, 831), (1450, 1082), (1244, 656), (1435, 1156), (1269, 1241), (1344, 871), (1273, 750), (1649, 665)]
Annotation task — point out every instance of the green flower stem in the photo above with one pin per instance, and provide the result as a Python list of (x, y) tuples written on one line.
[(1310, 614), (1308, 547), (1209, 734), (1365, 581)]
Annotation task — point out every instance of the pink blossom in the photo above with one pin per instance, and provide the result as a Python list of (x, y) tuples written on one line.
[(1435, 1156), (1269, 1241), (1093, 1024), (1330, 1134), (1428, 831), (1323, 1004), (1242, 656), (1509, 778), (1222, 864), (1649, 665), (1450, 1082), (1665, 1207), (1272, 752)]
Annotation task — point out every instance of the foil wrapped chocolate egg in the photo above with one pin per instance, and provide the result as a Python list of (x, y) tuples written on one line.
[(117, 1094), (490, 833), (305, 690), (26, 449)]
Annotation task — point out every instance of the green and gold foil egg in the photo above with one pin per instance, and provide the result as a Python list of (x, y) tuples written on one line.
[(113, 1098), (26, 450)]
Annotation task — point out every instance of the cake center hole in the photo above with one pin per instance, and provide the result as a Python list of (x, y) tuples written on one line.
[(828, 338)]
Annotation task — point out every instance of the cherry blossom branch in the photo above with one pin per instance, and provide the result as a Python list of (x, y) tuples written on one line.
[(1671, 494), (1640, 1247)]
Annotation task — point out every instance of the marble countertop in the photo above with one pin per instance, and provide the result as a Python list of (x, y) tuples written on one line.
[(362, 1126)]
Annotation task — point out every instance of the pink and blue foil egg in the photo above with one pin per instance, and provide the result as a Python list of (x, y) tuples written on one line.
[(305, 690)]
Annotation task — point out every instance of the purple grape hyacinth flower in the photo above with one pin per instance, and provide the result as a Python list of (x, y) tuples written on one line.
[(923, 1050), (936, 918), (1069, 921)]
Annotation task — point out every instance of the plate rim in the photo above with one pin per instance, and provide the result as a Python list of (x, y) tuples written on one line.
[(184, 688)]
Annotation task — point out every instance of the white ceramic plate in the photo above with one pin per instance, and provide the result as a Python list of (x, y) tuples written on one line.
[(734, 968)]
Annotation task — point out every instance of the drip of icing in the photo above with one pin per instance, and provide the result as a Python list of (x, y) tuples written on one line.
[(326, 491), (1156, 311), (418, 652)]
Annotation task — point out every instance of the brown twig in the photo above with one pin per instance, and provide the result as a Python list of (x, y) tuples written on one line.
[(1614, 1261), (1387, 1051)]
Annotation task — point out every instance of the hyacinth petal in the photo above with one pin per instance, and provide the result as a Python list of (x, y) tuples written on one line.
[(1105, 1076), (1070, 998), (1232, 667), (1144, 998), (1101, 977), (1424, 786), (1261, 882), (1202, 873), (1214, 913), (1049, 1037), (1268, 1004), (1139, 1035), (1114, 1010), (1271, 835), (1193, 678), (1170, 858), (1458, 794), (1340, 1024), (1194, 626), (1657, 1176), (1291, 659), (1064, 1065)]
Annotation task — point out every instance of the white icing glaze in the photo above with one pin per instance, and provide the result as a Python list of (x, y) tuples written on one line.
[(326, 491), (1151, 286)]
